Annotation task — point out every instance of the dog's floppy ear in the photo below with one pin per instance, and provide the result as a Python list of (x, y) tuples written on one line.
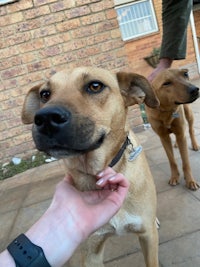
[(31, 105), (136, 89)]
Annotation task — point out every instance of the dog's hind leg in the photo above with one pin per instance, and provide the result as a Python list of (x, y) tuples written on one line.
[(149, 244), (190, 119)]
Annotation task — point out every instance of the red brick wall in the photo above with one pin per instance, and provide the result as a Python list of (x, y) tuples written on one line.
[(197, 21), (197, 24), (40, 37)]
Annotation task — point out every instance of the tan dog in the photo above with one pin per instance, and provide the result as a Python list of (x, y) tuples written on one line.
[(80, 115), (174, 92)]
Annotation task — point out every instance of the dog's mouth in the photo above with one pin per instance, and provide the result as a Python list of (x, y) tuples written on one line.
[(59, 132), (186, 102), (55, 149), (192, 98)]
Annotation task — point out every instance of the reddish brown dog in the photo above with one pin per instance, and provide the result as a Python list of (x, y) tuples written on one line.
[(174, 92), (80, 115)]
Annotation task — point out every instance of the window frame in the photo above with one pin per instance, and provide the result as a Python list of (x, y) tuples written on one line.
[(6, 2), (143, 34)]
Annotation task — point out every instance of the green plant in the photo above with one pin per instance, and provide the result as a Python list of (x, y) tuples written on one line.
[(155, 51), (10, 169), (153, 58)]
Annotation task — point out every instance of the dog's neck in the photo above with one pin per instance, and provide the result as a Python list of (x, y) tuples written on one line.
[(169, 115), (169, 110), (85, 167)]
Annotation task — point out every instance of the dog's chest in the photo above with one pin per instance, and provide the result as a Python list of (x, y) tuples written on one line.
[(122, 223), (125, 221), (176, 118), (167, 119)]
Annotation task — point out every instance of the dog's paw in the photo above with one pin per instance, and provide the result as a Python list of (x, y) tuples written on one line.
[(173, 181), (195, 147), (193, 185)]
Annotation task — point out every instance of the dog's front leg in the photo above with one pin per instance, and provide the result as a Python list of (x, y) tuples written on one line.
[(91, 252), (167, 144), (149, 244), (190, 119), (95, 250)]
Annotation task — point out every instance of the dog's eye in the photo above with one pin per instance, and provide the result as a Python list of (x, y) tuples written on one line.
[(186, 75), (95, 87), (166, 83), (45, 95)]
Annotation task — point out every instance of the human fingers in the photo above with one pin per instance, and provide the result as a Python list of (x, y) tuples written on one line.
[(118, 186), (117, 195), (115, 182), (105, 175), (121, 188), (110, 201), (106, 172), (112, 178), (104, 183)]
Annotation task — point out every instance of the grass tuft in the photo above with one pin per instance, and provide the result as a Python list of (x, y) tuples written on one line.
[(10, 169)]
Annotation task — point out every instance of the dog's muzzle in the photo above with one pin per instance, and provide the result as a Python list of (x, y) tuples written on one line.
[(60, 133), (193, 94)]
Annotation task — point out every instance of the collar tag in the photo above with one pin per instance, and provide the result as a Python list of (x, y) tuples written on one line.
[(175, 115), (135, 153)]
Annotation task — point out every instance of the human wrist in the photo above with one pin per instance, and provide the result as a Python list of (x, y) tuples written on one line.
[(54, 233), (6, 259), (25, 253), (165, 62)]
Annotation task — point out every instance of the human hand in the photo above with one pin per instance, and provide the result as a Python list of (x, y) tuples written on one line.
[(89, 210), (74, 215), (163, 64)]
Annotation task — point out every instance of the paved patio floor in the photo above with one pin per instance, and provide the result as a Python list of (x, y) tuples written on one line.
[(25, 197)]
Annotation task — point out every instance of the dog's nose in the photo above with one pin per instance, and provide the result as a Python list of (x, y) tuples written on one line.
[(51, 119), (194, 91)]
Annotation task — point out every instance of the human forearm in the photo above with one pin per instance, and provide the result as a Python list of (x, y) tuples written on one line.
[(72, 217), (6, 259), (56, 234)]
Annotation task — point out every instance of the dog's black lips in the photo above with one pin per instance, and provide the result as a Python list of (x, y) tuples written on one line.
[(187, 102), (192, 99), (61, 151)]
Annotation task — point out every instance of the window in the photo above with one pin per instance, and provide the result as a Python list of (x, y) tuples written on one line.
[(136, 18), (3, 2)]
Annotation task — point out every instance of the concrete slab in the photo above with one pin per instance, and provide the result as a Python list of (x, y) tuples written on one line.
[(181, 252), (26, 217)]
